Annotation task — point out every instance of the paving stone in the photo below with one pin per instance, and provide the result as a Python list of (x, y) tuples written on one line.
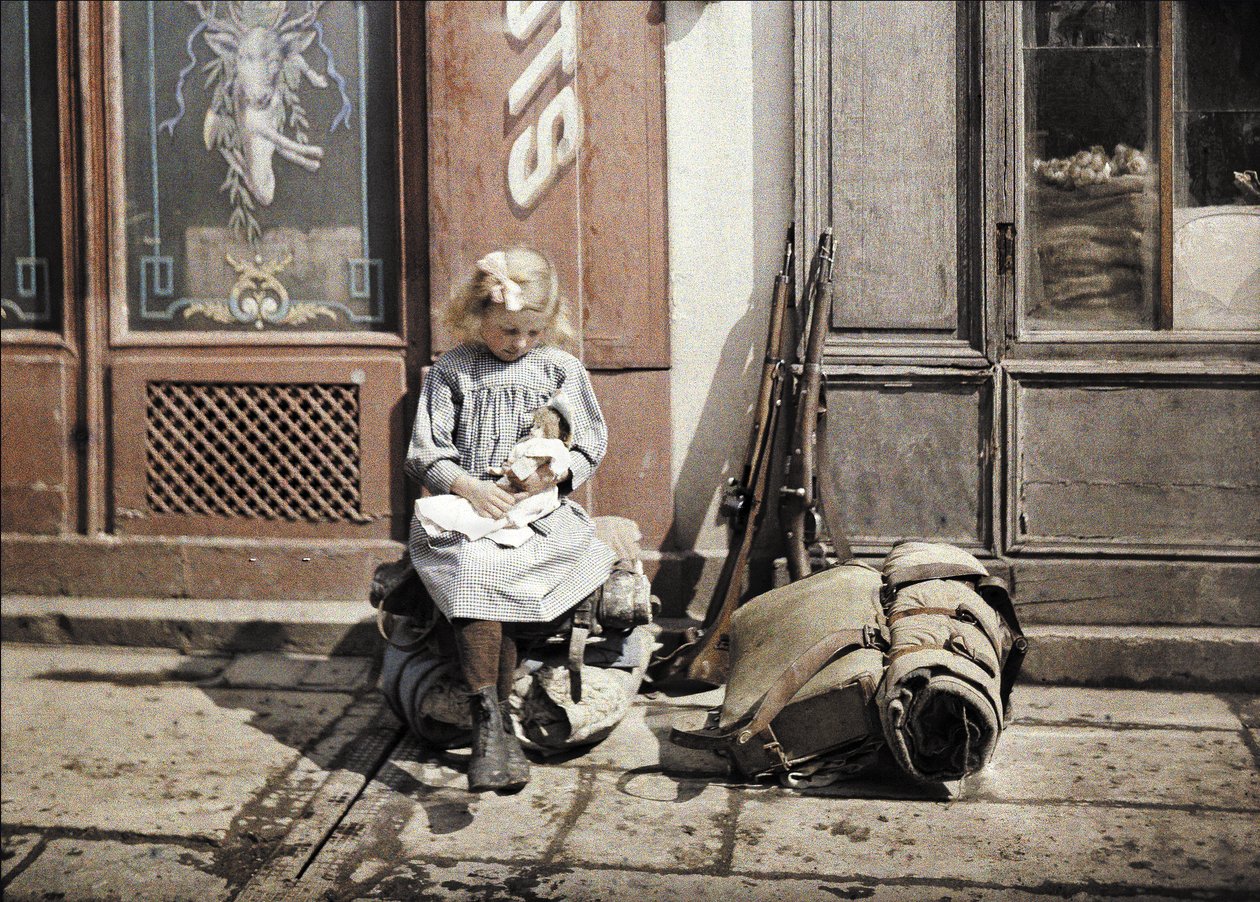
[(167, 759), (14, 850), (267, 670), (493, 882), (1211, 768), (1075, 705), (650, 820), (1248, 707), (339, 673), (76, 870), (641, 741), (419, 806), (1017, 846)]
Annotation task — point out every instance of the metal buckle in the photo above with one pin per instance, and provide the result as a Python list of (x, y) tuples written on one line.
[(774, 748), (873, 637)]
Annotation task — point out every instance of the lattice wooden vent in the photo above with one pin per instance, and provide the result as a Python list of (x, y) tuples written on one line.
[(265, 451)]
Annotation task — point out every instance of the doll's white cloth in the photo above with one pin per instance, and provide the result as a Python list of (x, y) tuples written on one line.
[(451, 513)]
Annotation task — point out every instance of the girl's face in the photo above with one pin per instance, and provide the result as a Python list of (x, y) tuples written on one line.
[(510, 335)]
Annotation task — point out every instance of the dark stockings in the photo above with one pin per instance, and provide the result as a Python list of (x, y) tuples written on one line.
[(487, 654)]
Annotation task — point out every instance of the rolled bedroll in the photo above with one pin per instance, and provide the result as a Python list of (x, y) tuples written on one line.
[(955, 650)]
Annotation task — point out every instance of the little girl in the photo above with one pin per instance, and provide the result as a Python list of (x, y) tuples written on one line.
[(478, 400)]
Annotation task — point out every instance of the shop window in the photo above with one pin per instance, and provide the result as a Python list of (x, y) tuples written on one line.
[(1142, 148), (30, 280), (260, 178)]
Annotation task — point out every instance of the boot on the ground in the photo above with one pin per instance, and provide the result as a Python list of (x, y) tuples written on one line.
[(517, 763), (487, 768)]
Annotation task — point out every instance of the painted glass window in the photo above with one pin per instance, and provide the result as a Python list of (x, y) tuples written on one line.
[(30, 265), (1107, 102), (260, 175)]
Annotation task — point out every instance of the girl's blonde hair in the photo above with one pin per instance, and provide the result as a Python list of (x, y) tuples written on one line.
[(540, 291)]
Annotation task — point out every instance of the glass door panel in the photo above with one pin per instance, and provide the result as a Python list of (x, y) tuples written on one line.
[(30, 266), (1216, 190), (260, 182), (1090, 158)]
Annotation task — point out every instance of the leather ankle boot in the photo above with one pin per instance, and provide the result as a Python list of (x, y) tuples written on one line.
[(517, 763), (487, 768)]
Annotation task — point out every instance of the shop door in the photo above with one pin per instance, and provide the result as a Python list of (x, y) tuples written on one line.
[(254, 263), (1059, 377), (39, 404), (891, 150)]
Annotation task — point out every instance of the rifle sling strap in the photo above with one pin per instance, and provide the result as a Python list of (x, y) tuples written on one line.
[(944, 612), (801, 671), (757, 721), (583, 617)]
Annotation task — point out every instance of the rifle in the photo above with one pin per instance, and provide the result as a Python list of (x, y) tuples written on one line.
[(710, 660), (736, 502), (798, 507)]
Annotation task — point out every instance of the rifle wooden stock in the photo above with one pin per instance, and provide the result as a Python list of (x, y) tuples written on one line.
[(711, 660), (798, 500)]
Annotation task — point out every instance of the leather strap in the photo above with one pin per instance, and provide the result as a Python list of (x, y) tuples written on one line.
[(946, 612), (802, 670), (578, 634), (936, 646)]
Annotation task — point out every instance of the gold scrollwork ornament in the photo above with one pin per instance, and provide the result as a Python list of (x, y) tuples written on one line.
[(259, 297)]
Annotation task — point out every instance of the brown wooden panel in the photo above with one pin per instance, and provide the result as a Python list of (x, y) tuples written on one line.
[(378, 385), (634, 479), (912, 460), (601, 217), (37, 468), (1164, 464), (894, 160)]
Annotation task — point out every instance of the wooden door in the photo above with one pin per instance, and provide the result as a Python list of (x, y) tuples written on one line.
[(890, 111), (257, 243), (42, 348)]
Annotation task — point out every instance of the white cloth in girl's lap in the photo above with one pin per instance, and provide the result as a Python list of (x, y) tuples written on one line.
[(451, 513)]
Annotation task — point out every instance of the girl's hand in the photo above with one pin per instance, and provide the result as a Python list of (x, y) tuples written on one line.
[(487, 498)]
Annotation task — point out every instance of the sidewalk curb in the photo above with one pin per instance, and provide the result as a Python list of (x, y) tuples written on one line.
[(1148, 657), (193, 625)]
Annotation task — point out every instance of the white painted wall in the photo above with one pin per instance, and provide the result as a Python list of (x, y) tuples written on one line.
[(729, 128)]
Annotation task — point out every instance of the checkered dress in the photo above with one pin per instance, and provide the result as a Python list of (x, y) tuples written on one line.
[(473, 409)]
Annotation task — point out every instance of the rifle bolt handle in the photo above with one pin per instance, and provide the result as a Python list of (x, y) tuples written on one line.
[(798, 492)]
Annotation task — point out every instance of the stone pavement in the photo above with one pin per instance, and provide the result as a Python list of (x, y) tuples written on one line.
[(150, 775)]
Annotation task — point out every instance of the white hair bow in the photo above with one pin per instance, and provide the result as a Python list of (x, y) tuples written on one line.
[(505, 291)]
